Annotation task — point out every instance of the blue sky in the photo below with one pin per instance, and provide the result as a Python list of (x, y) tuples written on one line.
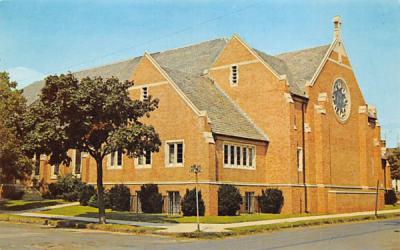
[(54, 36)]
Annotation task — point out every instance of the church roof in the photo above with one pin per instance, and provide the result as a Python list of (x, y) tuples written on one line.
[(186, 66)]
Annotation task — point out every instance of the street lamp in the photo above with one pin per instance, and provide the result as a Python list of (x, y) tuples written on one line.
[(196, 169)]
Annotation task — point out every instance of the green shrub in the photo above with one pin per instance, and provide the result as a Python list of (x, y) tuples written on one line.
[(150, 199), (93, 200), (390, 197), (271, 201), (120, 198), (188, 203), (12, 192), (67, 188), (229, 200), (87, 192)]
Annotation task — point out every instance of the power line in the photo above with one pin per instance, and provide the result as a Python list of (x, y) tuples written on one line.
[(151, 40)]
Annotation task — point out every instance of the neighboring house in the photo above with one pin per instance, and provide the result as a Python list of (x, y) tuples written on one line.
[(295, 121)]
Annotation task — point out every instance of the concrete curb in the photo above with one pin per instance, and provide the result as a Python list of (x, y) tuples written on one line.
[(192, 227)]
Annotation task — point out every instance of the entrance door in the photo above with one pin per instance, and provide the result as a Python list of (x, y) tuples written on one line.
[(249, 202), (174, 203)]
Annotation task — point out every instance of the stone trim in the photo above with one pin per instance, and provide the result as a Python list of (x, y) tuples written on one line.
[(288, 97), (237, 64), (340, 64), (237, 184), (148, 85)]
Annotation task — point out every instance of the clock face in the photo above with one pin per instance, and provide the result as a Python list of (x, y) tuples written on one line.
[(341, 99)]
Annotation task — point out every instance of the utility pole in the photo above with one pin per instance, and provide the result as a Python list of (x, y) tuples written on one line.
[(196, 169)]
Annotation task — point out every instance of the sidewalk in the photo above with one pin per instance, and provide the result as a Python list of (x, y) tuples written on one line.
[(191, 227)]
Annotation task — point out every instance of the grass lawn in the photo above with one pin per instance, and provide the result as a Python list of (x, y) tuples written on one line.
[(391, 207), (19, 205), (83, 211)]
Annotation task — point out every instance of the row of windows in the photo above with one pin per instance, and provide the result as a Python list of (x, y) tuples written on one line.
[(174, 157), (239, 156)]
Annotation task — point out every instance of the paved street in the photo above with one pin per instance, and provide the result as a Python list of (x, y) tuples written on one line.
[(369, 235)]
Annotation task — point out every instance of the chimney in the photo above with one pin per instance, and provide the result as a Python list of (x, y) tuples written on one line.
[(336, 27)]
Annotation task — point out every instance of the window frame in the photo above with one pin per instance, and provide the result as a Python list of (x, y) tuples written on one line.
[(74, 160), (299, 159), (145, 165), (231, 74), (142, 97), (53, 174), (241, 146), (116, 166), (175, 163)]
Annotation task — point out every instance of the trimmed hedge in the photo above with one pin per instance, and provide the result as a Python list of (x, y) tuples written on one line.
[(188, 203), (271, 201), (120, 198), (150, 199), (87, 192), (390, 197), (67, 188), (229, 200)]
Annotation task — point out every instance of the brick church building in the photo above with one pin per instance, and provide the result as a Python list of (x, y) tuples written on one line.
[(296, 121)]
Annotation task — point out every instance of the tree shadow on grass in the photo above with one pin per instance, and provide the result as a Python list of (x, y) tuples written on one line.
[(129, 216), (10, 205)]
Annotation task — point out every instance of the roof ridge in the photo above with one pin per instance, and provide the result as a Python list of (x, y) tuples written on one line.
[(237, 107), (188, 45), (300, 50)]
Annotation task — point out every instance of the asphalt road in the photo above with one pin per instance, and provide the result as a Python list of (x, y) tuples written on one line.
[(368, 235)]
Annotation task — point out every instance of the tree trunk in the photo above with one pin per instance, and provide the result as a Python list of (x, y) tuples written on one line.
[(100, 191)]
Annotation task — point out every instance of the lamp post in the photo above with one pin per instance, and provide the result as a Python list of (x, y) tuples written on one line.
[(196, 169)]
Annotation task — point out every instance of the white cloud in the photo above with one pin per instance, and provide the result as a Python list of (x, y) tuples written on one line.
[(24, 76)]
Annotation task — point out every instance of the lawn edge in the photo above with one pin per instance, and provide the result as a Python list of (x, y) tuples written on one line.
[(250, 230), (58, 223)]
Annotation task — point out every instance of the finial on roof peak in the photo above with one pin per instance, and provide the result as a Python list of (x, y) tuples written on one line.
[(336, 27)]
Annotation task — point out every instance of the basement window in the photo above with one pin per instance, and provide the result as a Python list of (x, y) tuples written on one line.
[(234, 77)]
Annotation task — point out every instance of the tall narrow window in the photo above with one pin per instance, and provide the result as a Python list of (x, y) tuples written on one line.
[(232, 155), (226, 154), (119, 157), (179, 153), (234, 75), (175, 153), (300, 159), (145, 94), (171, 153), (54, 171), (78, 159), (251, 157), (244, 156), (37, 165), (238, 156)]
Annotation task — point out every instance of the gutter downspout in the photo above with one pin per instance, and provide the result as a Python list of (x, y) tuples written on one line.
[(304, 160)]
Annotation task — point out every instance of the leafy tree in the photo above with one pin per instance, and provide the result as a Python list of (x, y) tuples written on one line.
[(150, 199), (394, 162), (229, 200), (95, 116), (189, 203), (14, 164)]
